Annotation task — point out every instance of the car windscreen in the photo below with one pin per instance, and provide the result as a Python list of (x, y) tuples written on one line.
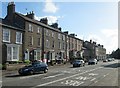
[(77, 61)]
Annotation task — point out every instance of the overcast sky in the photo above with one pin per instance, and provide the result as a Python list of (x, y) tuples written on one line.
[(89, 20)]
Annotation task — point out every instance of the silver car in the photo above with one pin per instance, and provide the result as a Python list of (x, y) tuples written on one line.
[(92, 61)]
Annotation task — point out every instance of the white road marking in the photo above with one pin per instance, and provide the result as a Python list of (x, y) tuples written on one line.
[(106, 75), (74, 68), (52, 76), (64, 78), (67, 72), (72, 82), (93, 79), (82, 78), (92, 74)]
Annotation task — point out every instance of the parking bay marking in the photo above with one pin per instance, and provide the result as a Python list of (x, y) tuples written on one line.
[(65, 78)]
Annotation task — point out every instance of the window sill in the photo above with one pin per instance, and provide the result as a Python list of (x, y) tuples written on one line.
[(18, 43), (6, 41)]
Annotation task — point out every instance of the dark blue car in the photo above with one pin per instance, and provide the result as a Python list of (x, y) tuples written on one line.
[(35, 67)]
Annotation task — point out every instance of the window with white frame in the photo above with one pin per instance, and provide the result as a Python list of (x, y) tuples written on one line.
[(19, 37), (38, 30), (38, 41), (53, 34), (47, 33), (63, 37), (15, 52), (9, 54), (47, 43), (6, 35), (31, 40), (59, 36), (30, 28), (12, 52), (53, 44), (63, 45), (59, 45)]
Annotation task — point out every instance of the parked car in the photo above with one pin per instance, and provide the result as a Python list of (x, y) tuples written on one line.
[(92, 61), (78, 63), (109, 59), (113, 59), (35, 67), (105, 60)]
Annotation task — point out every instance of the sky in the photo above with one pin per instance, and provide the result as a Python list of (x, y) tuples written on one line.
[(97, 21)]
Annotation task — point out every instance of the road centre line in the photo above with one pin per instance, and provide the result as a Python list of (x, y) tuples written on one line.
[(53, 76), (93, 79), (65, 78)]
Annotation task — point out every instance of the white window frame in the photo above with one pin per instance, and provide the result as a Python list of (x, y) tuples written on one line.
[(20, 38), (63, 37), (31, 40), (47, 33), (4, 30), (47, 43), (38, 30), (59, 36), (30, 28), (53, 34), (39, 41), (59, 45)]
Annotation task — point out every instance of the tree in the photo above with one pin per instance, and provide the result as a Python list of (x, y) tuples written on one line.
[(116, 54)]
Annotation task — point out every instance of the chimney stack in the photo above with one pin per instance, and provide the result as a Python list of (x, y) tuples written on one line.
[(55, 25), (60, 28), (44, 20), (30, 15), (10, 8), (66, 32), (73, 35)]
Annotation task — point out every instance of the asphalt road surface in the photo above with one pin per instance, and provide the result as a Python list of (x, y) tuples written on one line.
[(101, 74)]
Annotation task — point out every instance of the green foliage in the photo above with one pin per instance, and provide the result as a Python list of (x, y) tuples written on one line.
[(1, 66), (116, 54), (27, 61), (19, 62)]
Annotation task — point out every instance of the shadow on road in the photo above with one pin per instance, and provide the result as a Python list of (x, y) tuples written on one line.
[(17, 75), (115, 65)]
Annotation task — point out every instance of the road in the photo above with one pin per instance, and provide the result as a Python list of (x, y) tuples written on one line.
[(101, 74)]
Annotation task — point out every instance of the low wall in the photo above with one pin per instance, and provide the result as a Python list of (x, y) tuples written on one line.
[(11, 67)]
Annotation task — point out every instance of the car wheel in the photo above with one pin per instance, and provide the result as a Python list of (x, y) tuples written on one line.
[(31, 72), (46, 70)]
